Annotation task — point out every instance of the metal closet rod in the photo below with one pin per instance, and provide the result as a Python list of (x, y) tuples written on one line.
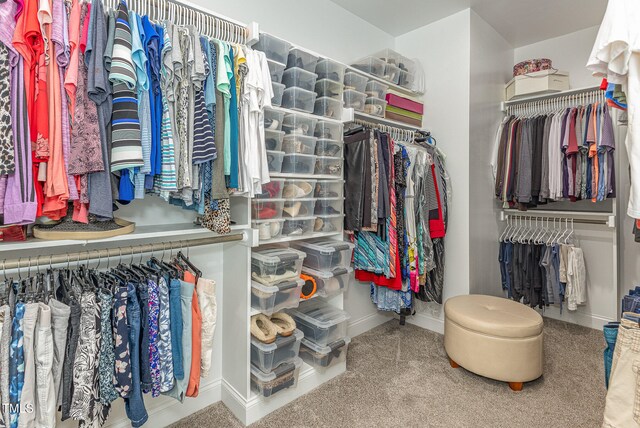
[(571, 219), (387, 128), (554, 101), (25, 262)]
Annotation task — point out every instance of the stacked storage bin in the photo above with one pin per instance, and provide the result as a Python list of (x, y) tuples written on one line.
[(329, 89), (276, 51), (299, 79), (275, 286)]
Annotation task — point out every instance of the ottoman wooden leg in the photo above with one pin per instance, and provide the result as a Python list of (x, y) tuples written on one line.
[(515, 386), (453, 364)]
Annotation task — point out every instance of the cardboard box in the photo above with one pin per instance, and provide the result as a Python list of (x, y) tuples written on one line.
[(539, 82)]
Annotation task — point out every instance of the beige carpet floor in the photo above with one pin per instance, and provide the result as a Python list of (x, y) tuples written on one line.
[(399, 376)]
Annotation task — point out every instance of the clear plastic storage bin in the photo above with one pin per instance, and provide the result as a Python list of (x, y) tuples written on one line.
[(322, 357), (329, 88), (376, 89), (283, 377), (328, 223), (278, 92), (297, 188), (370, 65), (298, 99), (328, 69), (391, 73), (275, 70), (274, 160), (272, 190), (299, 77), (330, 283), (270, 299), (299, 144), (267, 357), (273, 140), (299, 58), (298, 226), (298, 164), (329, 189), (326, 255), (320, 322), (326, 165), (268, 229), (329, 206), (273, 120), (355, 81), (275, 49), (329, 148), (354, 100), (329, 130), (271, 266), (296, 123), (392, 57), (328, 107), (375, 106), (294, 208), (266, 209), (406, 79)]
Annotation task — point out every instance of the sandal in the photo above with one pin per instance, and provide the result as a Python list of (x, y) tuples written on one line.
[(263, 329), (283, 323)]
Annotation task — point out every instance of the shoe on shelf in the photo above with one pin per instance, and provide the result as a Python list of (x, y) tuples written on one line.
[(284, 323), (263, 329)]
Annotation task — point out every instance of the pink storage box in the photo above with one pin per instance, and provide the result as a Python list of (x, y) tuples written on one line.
[(403, 103)]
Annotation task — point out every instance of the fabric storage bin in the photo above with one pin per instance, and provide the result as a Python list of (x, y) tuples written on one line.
[(302, 59), (323, 357), (298, 226), (272, 266), (299, 144), (329, 88), (283, 377), (268, 229), (376, 89), (406, 79), (270, 299), (355, 81), (354, 100), (329, 189), (375, 106), (328, 223), (298, 99), (272, 190), (266, 209), (330, 283), (273, 120), (391, 73), (299, 77), (370, 65), (329, 148), (298, 207), (329, 130), (296, 189), (326, 165), (328, 69), (328, 107), (274, 160), (295, 123), (298, 164), (267, 357), (273, 140), (275, 49), (278, 92), (326, 255), (329, 206), (320, 322), (275, 70)]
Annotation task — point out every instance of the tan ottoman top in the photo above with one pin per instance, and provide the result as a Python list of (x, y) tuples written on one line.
[(495, 316)]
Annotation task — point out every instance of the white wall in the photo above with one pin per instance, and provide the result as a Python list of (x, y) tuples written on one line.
[(491, 61), (568, 53)]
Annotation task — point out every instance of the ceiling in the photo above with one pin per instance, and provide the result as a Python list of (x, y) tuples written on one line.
[(520, 22)]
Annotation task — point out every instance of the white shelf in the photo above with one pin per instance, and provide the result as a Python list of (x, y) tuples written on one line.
[(305, 114), (300, 237), (549, 95), (349, 114), (304, 176)]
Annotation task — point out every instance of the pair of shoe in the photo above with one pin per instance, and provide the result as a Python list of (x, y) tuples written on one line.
[(266, 329), (300, 189), (321, 225), (269, 230)]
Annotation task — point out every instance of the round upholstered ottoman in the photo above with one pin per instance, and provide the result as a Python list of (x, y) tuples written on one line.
[(494, 337)]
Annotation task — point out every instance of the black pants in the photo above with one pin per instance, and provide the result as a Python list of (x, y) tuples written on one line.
[(357, 186)]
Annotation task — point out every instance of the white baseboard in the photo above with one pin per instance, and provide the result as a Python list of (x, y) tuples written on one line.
[(427, 322), (576, 317), (365, 324)]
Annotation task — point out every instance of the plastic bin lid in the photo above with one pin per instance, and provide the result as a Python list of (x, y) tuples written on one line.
[(330, 158), (302, 137), (328, 348), (273, 256), (279, 343), (268, 220), (278, 371), (273, 131), (320, 314), (275, 151), (324, 199), (283, 286), (324, 246), (264, 201), (300, 70), (324, 274), (301, 155), (330, 215), (308, 217)]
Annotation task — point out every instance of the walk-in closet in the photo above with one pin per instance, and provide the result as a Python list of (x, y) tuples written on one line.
[(339, 213)]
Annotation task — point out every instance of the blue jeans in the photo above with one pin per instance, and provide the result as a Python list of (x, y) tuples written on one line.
[(134, 403), (176, 328), (186, 296), (145, 370)]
